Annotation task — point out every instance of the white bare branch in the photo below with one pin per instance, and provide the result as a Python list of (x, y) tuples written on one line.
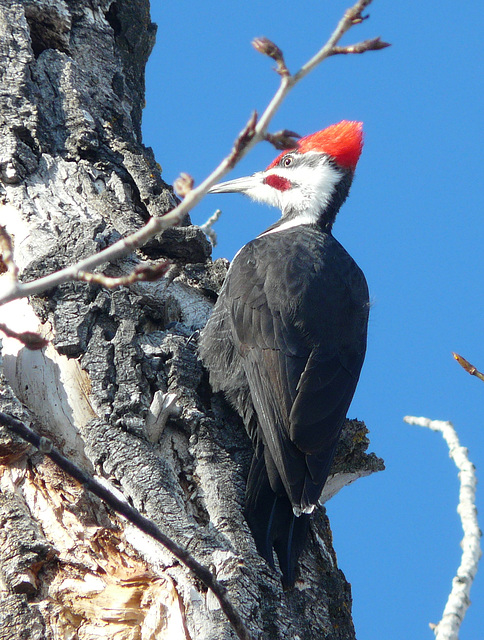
[(207, 227), (458, 601)]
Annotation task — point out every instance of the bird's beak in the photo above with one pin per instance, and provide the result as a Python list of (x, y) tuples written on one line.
[(239, 185)]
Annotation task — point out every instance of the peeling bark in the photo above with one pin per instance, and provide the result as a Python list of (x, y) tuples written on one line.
[(120, 389)]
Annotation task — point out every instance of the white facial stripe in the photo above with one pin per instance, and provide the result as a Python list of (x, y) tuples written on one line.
[(262, 192), (310, 194), (312, 187)]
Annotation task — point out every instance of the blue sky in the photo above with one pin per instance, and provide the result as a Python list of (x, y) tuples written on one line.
[(413, 222)]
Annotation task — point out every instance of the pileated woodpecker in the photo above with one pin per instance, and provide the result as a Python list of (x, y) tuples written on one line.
[(287, 337)]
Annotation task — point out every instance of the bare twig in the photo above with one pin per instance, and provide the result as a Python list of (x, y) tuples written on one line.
[(351, 17), (253, 132), (132, 515), (374, 44), (458, 601), (470, 368), (142, 273), (207, 227), (30, 339)]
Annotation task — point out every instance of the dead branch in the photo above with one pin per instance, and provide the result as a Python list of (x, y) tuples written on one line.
[(207, 227), (458, 601), (123, 508)]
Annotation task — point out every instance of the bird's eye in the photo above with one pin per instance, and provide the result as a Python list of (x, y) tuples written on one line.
[(287, 161)]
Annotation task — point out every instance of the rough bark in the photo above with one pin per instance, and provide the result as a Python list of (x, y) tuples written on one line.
[(74, 169)]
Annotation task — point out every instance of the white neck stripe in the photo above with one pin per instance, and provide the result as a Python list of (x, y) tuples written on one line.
[(295, 222)]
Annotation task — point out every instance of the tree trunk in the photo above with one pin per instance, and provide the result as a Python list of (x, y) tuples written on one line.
[(119, 388)]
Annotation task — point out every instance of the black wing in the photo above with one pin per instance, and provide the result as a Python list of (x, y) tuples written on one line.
[(298, 319)]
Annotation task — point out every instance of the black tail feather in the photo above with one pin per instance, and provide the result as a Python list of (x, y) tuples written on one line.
[(273, 523)]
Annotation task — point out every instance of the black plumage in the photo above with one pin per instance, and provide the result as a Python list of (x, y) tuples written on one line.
[(286, 342), (290, 374)]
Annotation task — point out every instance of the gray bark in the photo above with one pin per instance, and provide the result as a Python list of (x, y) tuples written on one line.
[(74, 169)]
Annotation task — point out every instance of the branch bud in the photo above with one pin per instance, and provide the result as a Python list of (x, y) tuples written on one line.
[(243, 139), (283, 139), (354, 15), (269, 48), (374, 44), (184, 184), (467, 366)]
